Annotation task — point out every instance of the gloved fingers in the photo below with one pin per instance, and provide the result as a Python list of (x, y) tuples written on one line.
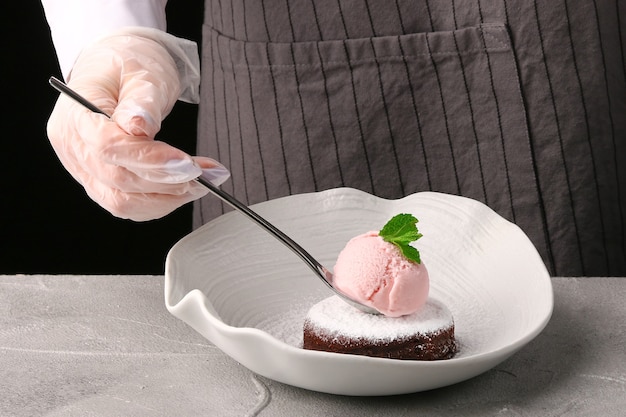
[(141, 206), (125, 181), (124, 162), (120, 178), (153, 161), (100, 139), (146, 201), (93, 173)]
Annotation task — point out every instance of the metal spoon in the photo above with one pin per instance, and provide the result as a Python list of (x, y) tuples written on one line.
[(324, 274)]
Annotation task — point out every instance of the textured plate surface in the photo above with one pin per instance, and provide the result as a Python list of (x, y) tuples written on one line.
[(248, 294)]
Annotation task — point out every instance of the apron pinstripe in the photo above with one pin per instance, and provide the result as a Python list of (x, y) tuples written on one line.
[(518, 104)]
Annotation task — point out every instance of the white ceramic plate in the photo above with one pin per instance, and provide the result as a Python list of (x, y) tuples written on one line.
[(248, 294)]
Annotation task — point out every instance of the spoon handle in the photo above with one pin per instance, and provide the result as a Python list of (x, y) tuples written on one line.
[(318, 268)]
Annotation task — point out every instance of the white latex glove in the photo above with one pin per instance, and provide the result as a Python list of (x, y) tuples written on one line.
[(136, 81)]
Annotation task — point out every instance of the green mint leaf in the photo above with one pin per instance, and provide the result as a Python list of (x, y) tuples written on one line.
[(401, 230), (410, 253)]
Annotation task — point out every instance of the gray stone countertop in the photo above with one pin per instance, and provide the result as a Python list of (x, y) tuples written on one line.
[(107, 346)]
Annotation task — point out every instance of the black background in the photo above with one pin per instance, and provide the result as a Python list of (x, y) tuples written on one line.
[(48, 224)]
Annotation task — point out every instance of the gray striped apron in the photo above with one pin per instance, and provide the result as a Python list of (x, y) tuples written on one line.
[(519, 104)]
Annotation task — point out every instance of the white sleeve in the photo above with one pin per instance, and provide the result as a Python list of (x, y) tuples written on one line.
[(76, 23)]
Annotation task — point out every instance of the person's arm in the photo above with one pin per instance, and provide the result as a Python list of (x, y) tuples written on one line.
[(77, 23)]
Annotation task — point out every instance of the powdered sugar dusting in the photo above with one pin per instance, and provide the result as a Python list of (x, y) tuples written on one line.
[(335, 316)]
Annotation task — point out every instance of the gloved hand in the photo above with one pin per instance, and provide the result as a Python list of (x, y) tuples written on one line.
[(135, 80)]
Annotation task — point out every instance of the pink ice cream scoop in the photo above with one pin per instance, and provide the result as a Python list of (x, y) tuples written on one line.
[(375, 273)]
